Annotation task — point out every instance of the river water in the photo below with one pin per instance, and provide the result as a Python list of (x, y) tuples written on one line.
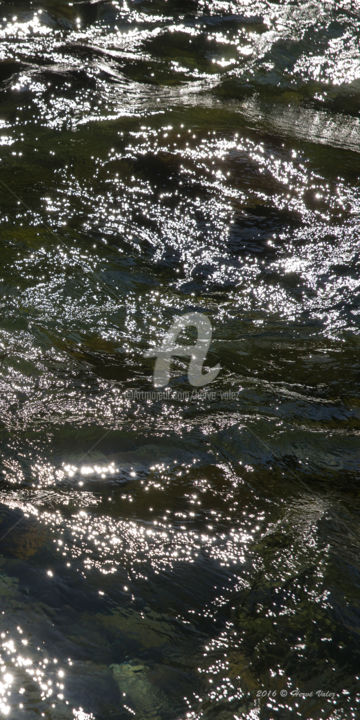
[(193, 556)]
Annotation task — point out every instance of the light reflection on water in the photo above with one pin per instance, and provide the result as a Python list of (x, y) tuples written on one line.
[(173, 558)]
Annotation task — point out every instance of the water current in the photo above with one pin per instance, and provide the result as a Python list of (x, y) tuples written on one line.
[(192, 554)]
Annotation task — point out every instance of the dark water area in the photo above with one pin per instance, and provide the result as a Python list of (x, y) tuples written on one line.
[(194, 556)]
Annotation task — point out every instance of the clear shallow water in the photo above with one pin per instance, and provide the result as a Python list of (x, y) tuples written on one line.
[(175, 558)]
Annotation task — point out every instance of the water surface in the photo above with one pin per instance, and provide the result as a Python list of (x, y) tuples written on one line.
[(179, 559)]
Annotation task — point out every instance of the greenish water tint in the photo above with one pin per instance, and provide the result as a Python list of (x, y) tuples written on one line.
[(171, 559)]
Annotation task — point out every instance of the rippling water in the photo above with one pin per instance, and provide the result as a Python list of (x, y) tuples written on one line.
[(194, 557)]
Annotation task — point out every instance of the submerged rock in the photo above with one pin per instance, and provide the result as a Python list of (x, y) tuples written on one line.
[(21, 537), (139, 692)]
